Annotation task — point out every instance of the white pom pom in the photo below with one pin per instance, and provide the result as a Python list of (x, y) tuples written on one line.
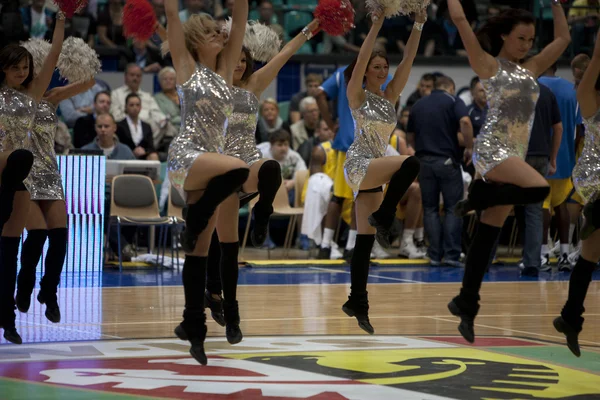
[(39, 50), (78, 62), (392, 8), (262, 42)]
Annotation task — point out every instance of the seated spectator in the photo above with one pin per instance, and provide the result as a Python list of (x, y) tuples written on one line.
[(85, 127), (584, 22), (150, 113), (82, 25), (110, 25), (168, 102), (269, 120), (192, 7), (305, 128), (278, 149), (80, 106), (147, 57), (266, 16), (38, 19), (312, 82), (322, 135), (135, 133)]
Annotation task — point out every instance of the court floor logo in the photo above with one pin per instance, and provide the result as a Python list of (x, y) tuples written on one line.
[(318, 367)]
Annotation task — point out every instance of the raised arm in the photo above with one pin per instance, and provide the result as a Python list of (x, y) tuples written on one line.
[(587, 96), (484, 65), (355, 92), (182, 59), (396, 85), (58, 94), (562, 37), (39, 85), (233, 48), (262, 78)]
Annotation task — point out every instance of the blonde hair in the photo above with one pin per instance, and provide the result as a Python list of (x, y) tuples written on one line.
[(270, 100), (196, 30)]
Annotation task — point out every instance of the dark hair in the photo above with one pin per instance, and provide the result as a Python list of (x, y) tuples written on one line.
[(377, 52), (280, 135), (132, 96), (103, 92), (490, 34), (444, 81), (406, 108), (12, 55), (249, 64), (428, 77), (474, 82)]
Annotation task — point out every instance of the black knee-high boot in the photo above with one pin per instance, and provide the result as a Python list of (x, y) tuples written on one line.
[(213, 281), (570, 321), (198, 214), (466, 304), (383, 218), (18, 165), (193, 327), (30, 258), (55, 259), (591, 222), (9, 249), (358, 303), (229, 279), (483, 195), (269, 180)]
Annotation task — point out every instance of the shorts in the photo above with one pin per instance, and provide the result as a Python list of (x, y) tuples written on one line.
[(560, 189), (576, 198), (340, 186)]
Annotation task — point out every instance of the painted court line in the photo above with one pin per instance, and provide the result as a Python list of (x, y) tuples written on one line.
[(66, 328), (370, 275)]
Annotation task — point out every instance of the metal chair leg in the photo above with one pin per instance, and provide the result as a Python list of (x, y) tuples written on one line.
[(119, 244)]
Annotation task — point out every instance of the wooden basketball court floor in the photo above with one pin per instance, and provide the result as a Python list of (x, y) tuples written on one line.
[(116, 339)]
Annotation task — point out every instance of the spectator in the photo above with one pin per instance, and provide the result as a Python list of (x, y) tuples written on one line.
[(266, 16), (269, 120), (312, 82), (278, 149), (135, 133), (322, 134), (147, 57), (38, 19), (82, 25), (403, 119), (168, 102), (107, 141), (110, 25), (85, 127), (159, 11), (79, 106), (191, 7), (583, 22), (432, 130), (305, 128), (150, 113), (424, 89)]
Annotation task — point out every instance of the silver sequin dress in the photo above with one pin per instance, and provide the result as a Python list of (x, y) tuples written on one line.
[(586, 174), (374, 122), (240, 141), (512, 95), (44, 181), (17, 111), (206, 104)]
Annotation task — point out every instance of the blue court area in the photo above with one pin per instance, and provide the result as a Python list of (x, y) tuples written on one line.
[(315, 274)]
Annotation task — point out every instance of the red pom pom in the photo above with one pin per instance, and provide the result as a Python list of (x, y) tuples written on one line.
[(336, 17), (70, 7), (139, 19)]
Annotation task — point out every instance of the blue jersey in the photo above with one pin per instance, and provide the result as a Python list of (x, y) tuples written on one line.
[(566, 96), (335, 87)]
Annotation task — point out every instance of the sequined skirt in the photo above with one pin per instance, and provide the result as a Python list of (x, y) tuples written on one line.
[(180, 159), (243, 150), (355, 167), (44, 183), (586, 176), (491, 150)]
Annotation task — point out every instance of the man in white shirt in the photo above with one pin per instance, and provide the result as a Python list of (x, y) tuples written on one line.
[(150, 113)]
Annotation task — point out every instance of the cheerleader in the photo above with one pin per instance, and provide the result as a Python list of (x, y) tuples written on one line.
[(19, 94), (503, 177), (586, 179), (366, 169), (265, 175), (197, 168), (47, 218)]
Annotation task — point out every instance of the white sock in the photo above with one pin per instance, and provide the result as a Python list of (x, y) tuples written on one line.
[(327, 238), (351, 239), (407, 236), (564, 248), (571, 231), (545, 250), (419, 234)]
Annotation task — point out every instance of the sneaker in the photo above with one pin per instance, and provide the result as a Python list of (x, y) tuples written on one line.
[(410, 251), (545, 260), (574, 256), (555, 251), (378, 252), (324, 253), (421, 246), (348, 255), (563, 263), (336, 254)]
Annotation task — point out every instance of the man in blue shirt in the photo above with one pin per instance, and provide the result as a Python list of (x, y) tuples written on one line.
[(334, 88), (432, 130), (560, 182)]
